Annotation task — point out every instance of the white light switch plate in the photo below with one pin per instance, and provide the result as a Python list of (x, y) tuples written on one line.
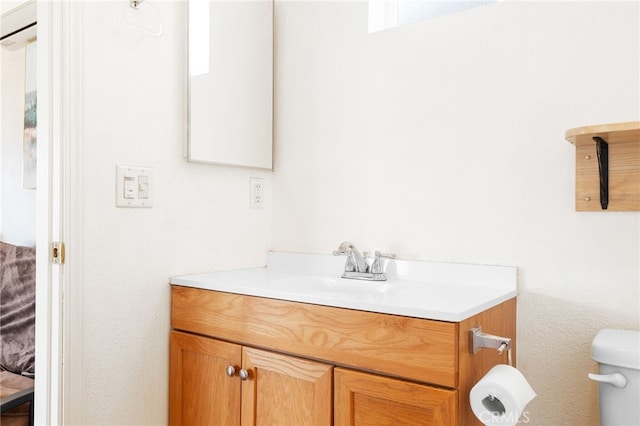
[(133, 186)]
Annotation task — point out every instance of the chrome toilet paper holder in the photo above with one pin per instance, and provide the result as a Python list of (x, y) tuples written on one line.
[(479, 340)]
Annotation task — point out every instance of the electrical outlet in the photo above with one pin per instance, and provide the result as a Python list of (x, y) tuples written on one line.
[(256, 193)]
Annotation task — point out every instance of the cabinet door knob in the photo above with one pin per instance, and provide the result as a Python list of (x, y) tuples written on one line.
[(231, 371), (244, 374)]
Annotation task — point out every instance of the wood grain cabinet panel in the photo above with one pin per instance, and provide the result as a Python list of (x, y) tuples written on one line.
[(284, 389), (200, 392), (390, 344), (363, 399)]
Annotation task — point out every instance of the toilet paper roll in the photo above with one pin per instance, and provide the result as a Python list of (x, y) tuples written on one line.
[(500, 397)]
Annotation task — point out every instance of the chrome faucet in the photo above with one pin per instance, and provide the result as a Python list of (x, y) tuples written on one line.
[(355, 261), (356, 266)]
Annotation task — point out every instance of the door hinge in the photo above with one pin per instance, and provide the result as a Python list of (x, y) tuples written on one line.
[(57, 253)]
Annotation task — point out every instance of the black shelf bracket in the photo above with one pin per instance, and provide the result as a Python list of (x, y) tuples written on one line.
[(602, 149)]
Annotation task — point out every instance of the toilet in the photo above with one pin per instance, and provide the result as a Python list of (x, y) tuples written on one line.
[(618, 354)]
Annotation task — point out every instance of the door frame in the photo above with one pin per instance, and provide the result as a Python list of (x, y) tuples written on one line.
[(59, 215)]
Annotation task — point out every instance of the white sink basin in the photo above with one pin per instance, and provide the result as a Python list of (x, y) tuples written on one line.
[(439, 291), (333, 287)]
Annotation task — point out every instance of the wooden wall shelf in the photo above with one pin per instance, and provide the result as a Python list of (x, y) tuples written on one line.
[(623, 145)]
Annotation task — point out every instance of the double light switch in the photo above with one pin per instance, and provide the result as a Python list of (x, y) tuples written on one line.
[(133, 186)]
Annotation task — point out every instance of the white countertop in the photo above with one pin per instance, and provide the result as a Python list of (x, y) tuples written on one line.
[(430, 290)]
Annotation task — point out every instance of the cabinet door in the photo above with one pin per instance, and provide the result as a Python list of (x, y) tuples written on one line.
[(285, 390), (367, 399), (200, 392)]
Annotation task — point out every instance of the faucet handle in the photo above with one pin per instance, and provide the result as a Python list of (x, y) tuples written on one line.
[(376, 266), (348, 264), (386, 255)]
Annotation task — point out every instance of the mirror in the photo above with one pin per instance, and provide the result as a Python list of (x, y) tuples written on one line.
[(230, 104), (386, 14)]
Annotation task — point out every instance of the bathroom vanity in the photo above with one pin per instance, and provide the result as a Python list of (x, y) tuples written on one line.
[(259, 347)]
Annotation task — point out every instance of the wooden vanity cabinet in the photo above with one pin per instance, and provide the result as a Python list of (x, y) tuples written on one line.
[(318, 365), (204, 392)]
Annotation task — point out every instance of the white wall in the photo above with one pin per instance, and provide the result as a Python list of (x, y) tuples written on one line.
[(444, 141), (17, 205), (134, 88)]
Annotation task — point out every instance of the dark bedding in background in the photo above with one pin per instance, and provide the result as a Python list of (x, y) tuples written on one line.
[(17, 308)]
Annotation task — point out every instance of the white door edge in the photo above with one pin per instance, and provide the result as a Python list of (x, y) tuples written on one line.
[(59, 214)]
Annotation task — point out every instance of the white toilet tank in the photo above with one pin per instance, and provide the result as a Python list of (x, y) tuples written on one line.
[(618, 353)]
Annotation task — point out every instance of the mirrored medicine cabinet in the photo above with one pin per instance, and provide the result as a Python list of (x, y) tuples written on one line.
[(230, 87)]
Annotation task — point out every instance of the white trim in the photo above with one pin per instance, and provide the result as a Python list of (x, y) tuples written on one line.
[(47, 394), (59, 215), (18, 26), (73, 221)]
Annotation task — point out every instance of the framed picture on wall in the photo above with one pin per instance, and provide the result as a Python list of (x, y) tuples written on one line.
[(29, 151)]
